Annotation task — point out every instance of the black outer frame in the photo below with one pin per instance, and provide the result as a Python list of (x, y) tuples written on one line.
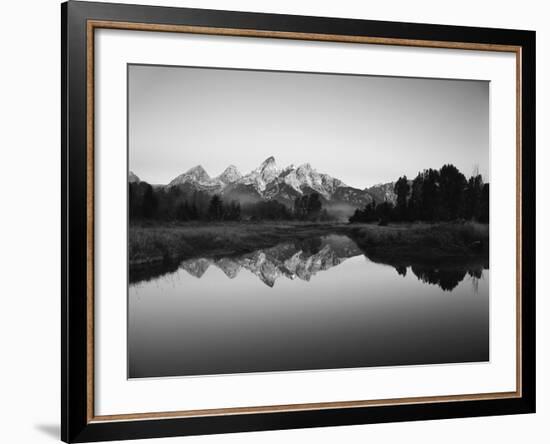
[(74, 424)]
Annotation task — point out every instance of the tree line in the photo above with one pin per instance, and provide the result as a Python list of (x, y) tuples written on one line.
[(433, 195), (148, 203)]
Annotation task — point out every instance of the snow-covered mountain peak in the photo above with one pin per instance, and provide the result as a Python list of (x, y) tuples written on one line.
[(268, 169), (230, 175), (305, 168), (263, 175), (287, 170), (267, 163), (196, 175)]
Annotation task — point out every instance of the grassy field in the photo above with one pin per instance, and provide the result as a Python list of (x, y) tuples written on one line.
[(172, 241), (153, 244), (443, 243)]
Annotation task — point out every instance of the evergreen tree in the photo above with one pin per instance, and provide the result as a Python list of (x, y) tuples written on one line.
[(215, 209), (433, 195), (150, 203), (483, 215), (415, 202), (430, 195), (308, 206), (368, 214), (385, 212), (133, 203), (452, 184), (232, 211), (314, 206), (401, 189), (183, 212), (193, 212), (472, 197)]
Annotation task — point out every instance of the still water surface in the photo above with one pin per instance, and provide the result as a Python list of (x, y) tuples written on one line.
[(320, 304)]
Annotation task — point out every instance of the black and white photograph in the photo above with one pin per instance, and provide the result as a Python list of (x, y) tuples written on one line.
[(254, 222), (292, 221)]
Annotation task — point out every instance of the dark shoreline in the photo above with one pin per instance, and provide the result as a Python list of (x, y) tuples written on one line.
[(156, 249)]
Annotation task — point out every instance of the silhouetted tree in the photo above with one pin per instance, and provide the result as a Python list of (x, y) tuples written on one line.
[(415, 202), (183, 212), (433, 195), (193, 211), (356, 217), (430, 195), (150, 203), (270, 210), (215, 209), (452, 184), (232, 211), (314, 206), (366, 215), (472, 197), (484, 205), (134, 207), (384, 212), (308, 207), (401, 189)]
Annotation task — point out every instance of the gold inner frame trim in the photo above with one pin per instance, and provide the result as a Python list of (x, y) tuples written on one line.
[(97, 24)]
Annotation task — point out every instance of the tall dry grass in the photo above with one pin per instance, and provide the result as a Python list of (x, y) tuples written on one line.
[(154, 243)]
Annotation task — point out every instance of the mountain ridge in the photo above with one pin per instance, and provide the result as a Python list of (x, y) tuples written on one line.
[(270, 182)]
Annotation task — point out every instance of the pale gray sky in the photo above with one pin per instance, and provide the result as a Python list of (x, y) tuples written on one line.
[(361, 129)]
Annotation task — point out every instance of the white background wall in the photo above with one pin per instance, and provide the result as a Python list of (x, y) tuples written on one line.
[(30, 218)]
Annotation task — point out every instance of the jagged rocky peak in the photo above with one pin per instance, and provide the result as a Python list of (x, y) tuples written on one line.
[(230, 174), (132, 178), (268, 169), (268, 162), (259, 178), (305, 168), (305, 173), (287, 170), (197, 174)]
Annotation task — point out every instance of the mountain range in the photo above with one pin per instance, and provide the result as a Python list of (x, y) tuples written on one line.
[(269, 182)]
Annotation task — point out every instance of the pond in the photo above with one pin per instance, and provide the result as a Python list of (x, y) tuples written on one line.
[(305, 305)]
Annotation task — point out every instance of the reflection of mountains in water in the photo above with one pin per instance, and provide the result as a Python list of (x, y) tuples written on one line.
[(300, 259), (305, 258)]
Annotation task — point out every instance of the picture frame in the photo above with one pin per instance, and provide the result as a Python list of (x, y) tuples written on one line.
[(80, 180)]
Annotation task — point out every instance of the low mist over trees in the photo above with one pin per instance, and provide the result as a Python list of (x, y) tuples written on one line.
[(146, 203), (433, 195), (309, 207)]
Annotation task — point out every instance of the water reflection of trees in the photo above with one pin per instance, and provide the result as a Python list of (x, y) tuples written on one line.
[(446, 276), (447, 279)]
